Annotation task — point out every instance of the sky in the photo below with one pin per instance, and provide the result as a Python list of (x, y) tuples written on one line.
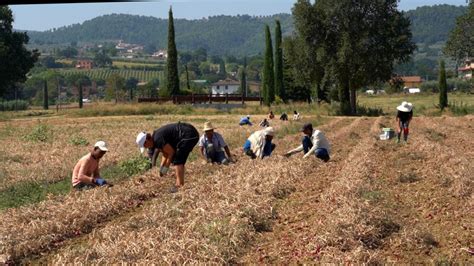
[(45, 17)]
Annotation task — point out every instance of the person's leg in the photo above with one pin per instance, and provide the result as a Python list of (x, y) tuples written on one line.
[(179, 175), (405, 131), (400, 128), (219, 157), (307, 144), (322, 154)]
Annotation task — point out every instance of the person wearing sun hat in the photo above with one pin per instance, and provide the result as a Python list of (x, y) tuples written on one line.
[(86, 172), (175, 141), (313, 142), (212, 146), (259, 144), (404, 116)]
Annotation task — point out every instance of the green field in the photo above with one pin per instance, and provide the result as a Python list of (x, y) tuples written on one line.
[(141, 75), (423, 103)]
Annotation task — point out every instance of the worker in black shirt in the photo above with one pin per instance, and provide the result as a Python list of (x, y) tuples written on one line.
[(404, 116), (175, 141)]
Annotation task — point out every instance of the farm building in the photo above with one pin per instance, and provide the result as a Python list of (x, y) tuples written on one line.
[(85, 64), (412, 81), (226, 86), (467, 70)]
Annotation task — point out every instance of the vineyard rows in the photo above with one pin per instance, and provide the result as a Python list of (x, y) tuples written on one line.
[(141, 75)]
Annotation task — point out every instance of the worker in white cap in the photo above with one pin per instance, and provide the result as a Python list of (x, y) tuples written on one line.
[(404, 116), (86, 172), (259, 144), (175, 141), (212, 146)]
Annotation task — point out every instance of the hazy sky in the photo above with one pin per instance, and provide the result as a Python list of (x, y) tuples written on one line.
[(43, 17)]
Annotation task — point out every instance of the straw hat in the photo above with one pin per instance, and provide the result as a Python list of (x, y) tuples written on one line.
[(208, 126), (405, 107)]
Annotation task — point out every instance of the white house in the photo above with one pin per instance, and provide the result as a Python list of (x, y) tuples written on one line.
[(370, 92), (227, 86)]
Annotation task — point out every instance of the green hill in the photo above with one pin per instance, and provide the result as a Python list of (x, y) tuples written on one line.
[(225, 35)]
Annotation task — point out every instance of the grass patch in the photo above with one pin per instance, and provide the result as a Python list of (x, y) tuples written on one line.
[(370, 195), (31, 192), (282, 192), (40, 133), (136, 165), (460, 108), (77, 140), (408, 178), (428, 240), (259, 221), (434, 135), (383, 228)]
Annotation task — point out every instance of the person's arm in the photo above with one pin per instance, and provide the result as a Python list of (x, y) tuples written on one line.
[(168, 153), (154, 157), (227, 151), (296, 150), (82, 176)]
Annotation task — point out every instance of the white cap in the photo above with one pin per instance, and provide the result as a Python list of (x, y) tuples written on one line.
[(101, 145), (141, 138)]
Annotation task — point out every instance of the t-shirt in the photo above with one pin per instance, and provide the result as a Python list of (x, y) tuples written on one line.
[(217, 141), (404, 116), (171, 134), (244, 120)]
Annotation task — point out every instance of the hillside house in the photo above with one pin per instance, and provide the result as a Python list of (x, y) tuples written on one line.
[(467, 70), (161, 54), (227, 86), (84, 64), (412, 81)]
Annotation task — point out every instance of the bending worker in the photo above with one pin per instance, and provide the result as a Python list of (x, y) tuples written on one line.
[(259, 144), (175, 141), (213, 145), (313, 142)]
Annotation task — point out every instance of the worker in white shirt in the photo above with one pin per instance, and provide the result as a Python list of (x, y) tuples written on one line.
[(313, 142)]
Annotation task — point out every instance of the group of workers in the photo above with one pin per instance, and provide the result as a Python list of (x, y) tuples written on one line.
[(177, 140)]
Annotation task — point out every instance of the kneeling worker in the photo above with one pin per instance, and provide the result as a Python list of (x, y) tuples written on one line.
[(86, 172), (176, 141), (259, 144), (212, 146), (314, 142)]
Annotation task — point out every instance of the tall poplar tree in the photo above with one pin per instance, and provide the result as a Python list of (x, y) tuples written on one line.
[(268, 74), (172, 61)]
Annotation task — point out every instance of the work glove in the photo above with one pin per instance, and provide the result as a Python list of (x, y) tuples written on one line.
[(163, 170), (100, 181)]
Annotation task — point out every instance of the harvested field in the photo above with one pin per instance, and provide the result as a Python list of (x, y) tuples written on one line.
[(374, 202)]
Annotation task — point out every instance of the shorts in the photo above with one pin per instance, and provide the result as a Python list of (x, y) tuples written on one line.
[(189, 138)]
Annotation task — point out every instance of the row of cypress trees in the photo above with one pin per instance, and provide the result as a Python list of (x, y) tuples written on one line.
[(273, 67)]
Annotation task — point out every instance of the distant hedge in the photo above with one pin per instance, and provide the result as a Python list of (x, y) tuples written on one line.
[(13, 105)]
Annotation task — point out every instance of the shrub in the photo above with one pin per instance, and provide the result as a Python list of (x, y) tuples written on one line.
[(41, 133), (13, 105), (77, 140), (135, 165), (461, 108)]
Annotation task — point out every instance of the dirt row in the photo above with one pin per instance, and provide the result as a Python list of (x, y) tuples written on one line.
[(230, 202), (294, 237), (45, 226)]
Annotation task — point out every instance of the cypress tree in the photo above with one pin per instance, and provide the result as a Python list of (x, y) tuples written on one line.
[(279, 85), (243, 79), (443, 86), (172, 62), (187, 77), (80, 94), (268, 74), (45, 96)]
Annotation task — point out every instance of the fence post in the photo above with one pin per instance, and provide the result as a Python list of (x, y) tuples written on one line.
[(243, 101), (210, 98), (226, 98), (193, 100)]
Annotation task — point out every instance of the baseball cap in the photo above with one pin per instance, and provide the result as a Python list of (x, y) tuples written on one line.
[(101, 145), (307, 126), (141, 138)]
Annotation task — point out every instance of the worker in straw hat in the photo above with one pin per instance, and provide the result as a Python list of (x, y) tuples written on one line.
[(404, 116), (175, 141), (212, 146), (313, 142), (86, 172), (259, 144)]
